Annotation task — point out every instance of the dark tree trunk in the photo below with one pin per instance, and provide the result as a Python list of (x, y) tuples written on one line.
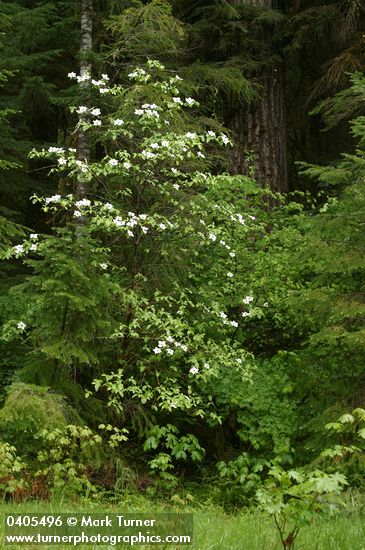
[(260, 128), (260, 135)]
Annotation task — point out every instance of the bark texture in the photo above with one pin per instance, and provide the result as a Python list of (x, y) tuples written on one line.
[(260, 135), (86, 44), (260, 128)]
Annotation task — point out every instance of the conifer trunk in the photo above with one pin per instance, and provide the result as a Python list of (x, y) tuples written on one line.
[(86, 44), (260, 128)]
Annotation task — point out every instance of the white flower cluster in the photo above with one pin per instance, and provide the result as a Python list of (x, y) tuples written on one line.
[(163, 226), (82, 165), (171, 147), (167, 346), (226, 321), (33, 237), (18, 249), (137, 73), (104, 78), (224, 244), (102, 84), (86, 77), (164, 143), (83, 202), (149, 110), (54, 198), (195, 370), (62, 160), (220, 137), (94, 111), (213, 237), (69, 161), (238, 218), (21, 326), (148, 155), (188, 101), (58, 150), (246, 300), (68, 201), (132, 221), (225, 139)]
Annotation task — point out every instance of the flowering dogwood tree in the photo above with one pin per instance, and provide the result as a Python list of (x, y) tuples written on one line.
[(146, 308)]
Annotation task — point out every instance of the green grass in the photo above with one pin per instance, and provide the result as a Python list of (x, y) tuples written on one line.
[(215, 530)]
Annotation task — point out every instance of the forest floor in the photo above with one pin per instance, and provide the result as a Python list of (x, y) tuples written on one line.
[(213, 529)]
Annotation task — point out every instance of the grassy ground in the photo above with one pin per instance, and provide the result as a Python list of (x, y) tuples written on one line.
[(214, 530)]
